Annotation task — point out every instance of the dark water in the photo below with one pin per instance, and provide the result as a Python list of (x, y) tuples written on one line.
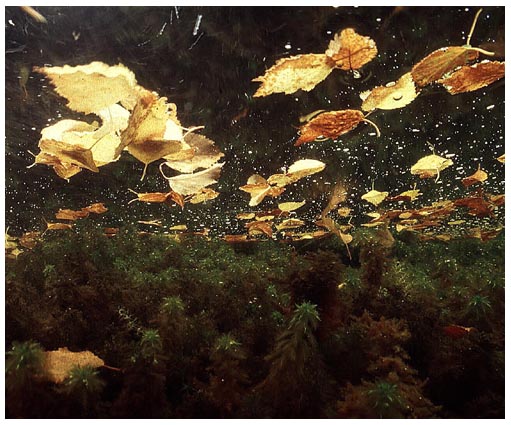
[(397, 327), (208, 76)]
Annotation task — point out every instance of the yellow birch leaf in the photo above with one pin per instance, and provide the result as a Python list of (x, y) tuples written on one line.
[(350, 51), (290, 206), (190, 184), (374, 197), (393, 95), (93, 87), (478, 177), (430, 166), (289, 75), (291, 223), (205, 194)]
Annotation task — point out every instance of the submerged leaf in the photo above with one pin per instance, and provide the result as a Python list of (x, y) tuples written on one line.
[(330, 125), (391, 96), (204, 154), (294, 73), (190, 184), (474, 77), (93, 87), (478, 177), (375, 197), (350, 51), (57, 364), (290, 206), (440, 62), (430, 166)]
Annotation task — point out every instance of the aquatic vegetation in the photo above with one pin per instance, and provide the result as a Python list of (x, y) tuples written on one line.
[(84, 384), (24, 361)]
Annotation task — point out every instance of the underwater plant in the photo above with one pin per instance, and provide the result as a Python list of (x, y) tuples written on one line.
[(24, 361), (150, 344), (84, 383)]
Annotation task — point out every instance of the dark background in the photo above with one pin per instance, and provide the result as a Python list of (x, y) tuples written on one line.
[(209, 77)]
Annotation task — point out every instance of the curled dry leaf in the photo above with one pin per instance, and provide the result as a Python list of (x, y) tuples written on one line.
[(430, 166), (478, 177), (440, 62), (375, 197), (64, 170), (190, 184), (330, 125), (294, 73), (97, 208), (391, 96), (350, 51), (474, 77), (93, 87), (57, 364)]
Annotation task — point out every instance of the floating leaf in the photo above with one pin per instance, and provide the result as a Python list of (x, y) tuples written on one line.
[(190, 184), (303, 168), (502, 158), (474, 77), (330, 125), (69, 154), (93, 87), (290, 206), (57, 364), (179, 227), (478, 177), (64, 170), (294, 73), (440, 62), (408, 195), (259, 188), (430, 166), (350, 51), (375, 197), (245, 216), (477, 205), (391, 96)]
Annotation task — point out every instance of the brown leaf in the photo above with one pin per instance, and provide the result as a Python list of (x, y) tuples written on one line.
[(391, 96), (502, 158), (70, 214), (57, 364), (350, 51), (474, 77), (205, 194), (70, 154), (294, 73), (64, 170), (478, 177), (58, 226), (440, 62), (477, 206), (330, 125), (97, 208), (430, 166), (259, 227), (30, 239)]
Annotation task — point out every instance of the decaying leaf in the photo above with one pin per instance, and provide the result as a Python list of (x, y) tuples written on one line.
[(333, 227), (478, 177), (65, 214), (69, 154), (93, 87), (502, 158), (430, 166), (440, 62), (375, 197), (245, 216), (291, 223), (331, 125), (259, 227), (57, 364), (477, 206), (473, 77), (391, 96), (408, 195), (97, 208), (350, 51), (58, 226), (294, 73)]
